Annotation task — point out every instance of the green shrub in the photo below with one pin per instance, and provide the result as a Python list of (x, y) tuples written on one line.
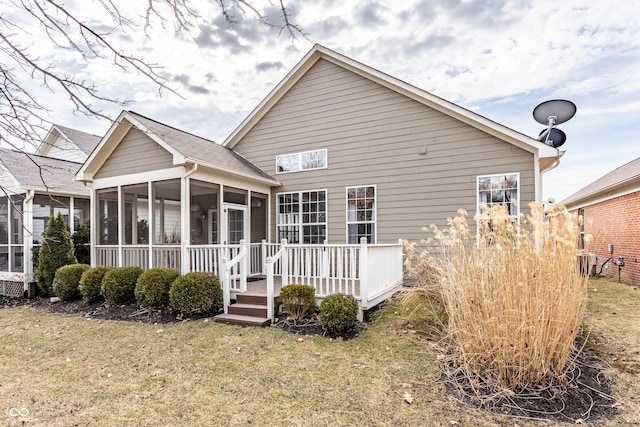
[(152, 289), (338, 312), (119, 284), (55, 251), (66, 280), (298, 301), (91, 283), (195, 293)]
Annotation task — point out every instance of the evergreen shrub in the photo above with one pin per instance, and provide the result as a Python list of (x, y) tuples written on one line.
[(195, 293), (338, 312), (298, 301), (119, 284), (152, 288), (91, 283), (66, 281)]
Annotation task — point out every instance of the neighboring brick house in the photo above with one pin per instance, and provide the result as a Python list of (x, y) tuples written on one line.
[(611, 209)]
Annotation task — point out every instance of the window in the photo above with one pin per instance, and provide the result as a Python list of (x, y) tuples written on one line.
[(499, 190), (361, 214), (302, 217), (301, 161)]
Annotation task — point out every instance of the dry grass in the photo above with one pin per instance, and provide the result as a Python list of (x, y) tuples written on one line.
[(514, 298), (72, 371)]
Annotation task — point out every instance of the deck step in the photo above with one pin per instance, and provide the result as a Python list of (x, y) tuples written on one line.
[(237, 319), (243, 309)]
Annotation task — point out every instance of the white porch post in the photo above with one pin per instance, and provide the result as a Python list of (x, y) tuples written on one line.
[(364, 273), (27, 238), (185, 223), (152, 219), (270, 291), (121, 221), (285, 263), (94, 229), (244, 245), (263, 248)]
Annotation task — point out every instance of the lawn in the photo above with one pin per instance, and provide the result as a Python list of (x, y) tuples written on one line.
[(76, 371)]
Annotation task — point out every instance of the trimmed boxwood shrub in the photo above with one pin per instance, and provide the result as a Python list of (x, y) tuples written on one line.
[(152, 289), (195, 293), (66, 281), (298, 301), (119, 284), (91, 283), (338, 312)]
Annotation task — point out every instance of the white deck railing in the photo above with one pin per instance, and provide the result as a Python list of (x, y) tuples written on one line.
[(368, 272)]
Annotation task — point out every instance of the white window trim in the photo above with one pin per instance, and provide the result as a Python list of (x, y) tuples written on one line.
[(300, 169), (301, 225), (375, 212), (517, 174)]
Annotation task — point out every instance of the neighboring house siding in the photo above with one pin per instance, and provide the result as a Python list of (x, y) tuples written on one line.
[(61, 148), (135, 153), (616, 221), (374, 136)]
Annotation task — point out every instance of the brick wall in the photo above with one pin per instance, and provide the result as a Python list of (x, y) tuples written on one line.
[(617, 222)]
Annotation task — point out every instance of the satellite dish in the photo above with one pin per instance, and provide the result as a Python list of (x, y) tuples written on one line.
[(554, 112), (556, 138)]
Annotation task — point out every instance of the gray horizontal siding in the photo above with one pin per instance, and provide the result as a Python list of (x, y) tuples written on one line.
[(135, 153), (373, 136)]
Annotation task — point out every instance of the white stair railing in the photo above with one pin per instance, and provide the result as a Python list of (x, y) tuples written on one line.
[(270, 270), (241, 261)]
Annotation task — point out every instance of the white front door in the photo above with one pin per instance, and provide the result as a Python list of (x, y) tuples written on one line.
[(235, 223)]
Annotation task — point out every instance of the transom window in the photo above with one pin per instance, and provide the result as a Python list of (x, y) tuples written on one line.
[(361, 214), (302, 217), (307, 160), (502, 189)]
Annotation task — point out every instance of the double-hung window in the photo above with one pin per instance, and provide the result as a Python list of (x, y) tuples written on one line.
[(302, 216), (501, 189), (361, 214)]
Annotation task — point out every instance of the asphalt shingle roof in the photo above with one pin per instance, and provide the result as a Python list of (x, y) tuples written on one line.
[(42, 173), (617, 177), (200, 149), (85, 141)]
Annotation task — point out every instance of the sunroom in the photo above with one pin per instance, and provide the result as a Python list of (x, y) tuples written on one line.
[(161, 197)]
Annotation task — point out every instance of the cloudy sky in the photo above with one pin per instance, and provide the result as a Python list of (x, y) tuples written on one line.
[(499, 58)]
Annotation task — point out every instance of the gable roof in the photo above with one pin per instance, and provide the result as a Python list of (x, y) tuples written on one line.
[(42, 174), (548, 156), (185, 148), (618, 182), (85, 142)]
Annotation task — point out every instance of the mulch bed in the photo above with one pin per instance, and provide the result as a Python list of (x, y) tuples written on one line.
[(584, 399), (133, 313)]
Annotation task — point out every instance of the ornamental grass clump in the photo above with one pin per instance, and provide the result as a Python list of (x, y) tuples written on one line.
[(514, 298)]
